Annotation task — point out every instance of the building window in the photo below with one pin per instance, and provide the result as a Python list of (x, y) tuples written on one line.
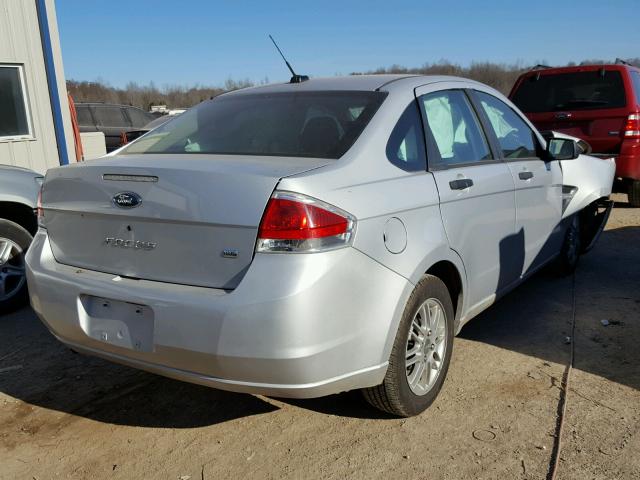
[(15, 121)]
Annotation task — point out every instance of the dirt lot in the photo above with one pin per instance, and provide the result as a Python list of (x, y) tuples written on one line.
[(64, 415)]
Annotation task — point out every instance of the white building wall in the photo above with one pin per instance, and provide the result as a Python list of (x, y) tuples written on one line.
[(20, 43)]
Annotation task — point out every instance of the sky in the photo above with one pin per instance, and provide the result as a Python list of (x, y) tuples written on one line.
[(199, 42)]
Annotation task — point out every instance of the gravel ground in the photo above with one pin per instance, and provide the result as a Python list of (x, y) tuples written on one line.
[(64, 415)]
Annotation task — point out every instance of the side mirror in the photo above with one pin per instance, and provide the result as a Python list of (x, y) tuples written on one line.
[(562, 149)]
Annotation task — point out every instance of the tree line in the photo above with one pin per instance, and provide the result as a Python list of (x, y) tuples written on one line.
[(143, 96), (499, 76)]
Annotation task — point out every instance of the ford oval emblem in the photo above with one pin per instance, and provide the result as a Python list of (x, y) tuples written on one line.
[(127, 200)]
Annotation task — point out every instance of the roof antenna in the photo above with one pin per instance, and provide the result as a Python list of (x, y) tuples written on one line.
[(295, 77)]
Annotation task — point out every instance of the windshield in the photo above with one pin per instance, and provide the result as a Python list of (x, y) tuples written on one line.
[(295, 124), (571, 91)]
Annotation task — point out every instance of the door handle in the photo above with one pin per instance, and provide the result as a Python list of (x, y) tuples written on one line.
[(525, 175), (460, 184)]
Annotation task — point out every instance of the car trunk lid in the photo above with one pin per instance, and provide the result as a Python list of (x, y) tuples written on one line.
[(196, 222)]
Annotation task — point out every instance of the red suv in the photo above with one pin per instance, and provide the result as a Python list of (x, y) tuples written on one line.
[(598, 103)]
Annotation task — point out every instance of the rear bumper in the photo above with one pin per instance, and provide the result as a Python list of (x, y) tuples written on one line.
[(296, 326)]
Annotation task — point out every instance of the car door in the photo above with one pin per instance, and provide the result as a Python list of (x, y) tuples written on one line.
[(112, 122), (538, 183), (476, 194)]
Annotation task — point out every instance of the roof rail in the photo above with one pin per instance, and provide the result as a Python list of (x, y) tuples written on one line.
[(620, 61), (539, 67)]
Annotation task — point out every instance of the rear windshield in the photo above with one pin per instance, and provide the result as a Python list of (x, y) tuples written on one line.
[(295, 124), (571, 91)]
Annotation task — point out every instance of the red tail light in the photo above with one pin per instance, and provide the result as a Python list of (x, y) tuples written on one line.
[(39, 209), (632, 127), (297, 223)]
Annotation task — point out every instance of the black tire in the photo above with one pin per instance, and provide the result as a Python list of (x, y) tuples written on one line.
[(16, 287), (394, 395), (634, 193), (571, 248)]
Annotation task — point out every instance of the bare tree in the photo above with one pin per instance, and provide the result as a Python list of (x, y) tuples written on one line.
[(143, 96)]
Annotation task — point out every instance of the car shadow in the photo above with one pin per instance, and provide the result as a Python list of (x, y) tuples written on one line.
[(348, 404), (533, 320), (623, 205), (38, 370)]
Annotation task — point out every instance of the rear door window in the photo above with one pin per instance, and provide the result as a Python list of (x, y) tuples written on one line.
[(293, 124), (635, 79), (570, 91), (110, 116), (516, 138), (405, 148), (455, 128)]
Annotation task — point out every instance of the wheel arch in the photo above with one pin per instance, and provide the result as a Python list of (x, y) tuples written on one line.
[(21, 214), (447, 271)]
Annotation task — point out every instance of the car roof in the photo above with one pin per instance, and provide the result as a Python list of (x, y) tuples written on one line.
[(579, 68), (371, 82)]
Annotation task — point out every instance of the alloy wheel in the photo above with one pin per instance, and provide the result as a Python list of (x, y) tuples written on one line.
[(12, 269), (426, 346)]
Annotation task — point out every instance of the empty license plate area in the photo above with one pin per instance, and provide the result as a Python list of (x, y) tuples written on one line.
[(118, 323)]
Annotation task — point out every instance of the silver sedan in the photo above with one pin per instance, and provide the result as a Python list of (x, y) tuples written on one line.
[(310, 238)]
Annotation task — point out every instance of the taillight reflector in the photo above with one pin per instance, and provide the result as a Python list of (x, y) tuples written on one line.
[(39, 209), (632, 126)]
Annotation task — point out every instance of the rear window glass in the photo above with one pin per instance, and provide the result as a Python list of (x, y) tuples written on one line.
[(571, 91), (635, 78), (295, 124)]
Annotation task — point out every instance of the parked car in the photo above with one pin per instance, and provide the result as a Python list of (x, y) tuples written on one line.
[(112, 120), (598, 103), (18, 195), (300, 240)]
